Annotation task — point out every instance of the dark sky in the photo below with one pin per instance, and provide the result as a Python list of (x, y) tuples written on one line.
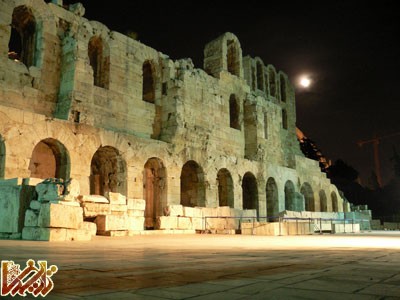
[(350, 50)]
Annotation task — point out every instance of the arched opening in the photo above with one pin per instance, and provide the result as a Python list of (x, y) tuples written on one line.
[(225, 188), (266, 80), (272, 82), (22, 44), (271, 190), (253, 78), (2, 158), (99, 61), (265, 125), (323, 201), (260, 76), (250, 192), (284, 119), (282, 81), (108, 172), (290, 196), (308, 194), (234, 112), (50, 159), (232, 57), (192, 185), (154, 190), (334, 199), (148, 82)]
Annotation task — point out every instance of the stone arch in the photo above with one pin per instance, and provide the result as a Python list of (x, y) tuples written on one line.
[(154, 190), (335, 205), (99, 60), (234, 112), (290, 196), (50, 159), (250, 191), (253, 77), (271, 191), (282, 85), (308, 194), (225, 188), (233, 57), (148, 92), (193, 191), (272, 81), (260, 75), (323, 201), (107, 172), (2, 158), (284, 119), (22, 43)]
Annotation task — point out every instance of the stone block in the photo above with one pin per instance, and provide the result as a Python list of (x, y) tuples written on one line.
[(376, 225), (95, 209), (197, 212), (73, 188), (167, 222), (93, 199), (14, 201), (78, 235), (135, 213), (135, 223), (137, 204), (175, 210), (249, 215), (49, 190), (111, 222), (223, 211), (232, 223), (68, 198), (62, 202), (44, 234), (209, 211), (90, 226), (31, 218), (118, 208), (188, 211), (184, 223), (342, 228), (198, 223), (57, 215), (116, 198), (113, 233), (35, 205), (215, 223), (236, 212)]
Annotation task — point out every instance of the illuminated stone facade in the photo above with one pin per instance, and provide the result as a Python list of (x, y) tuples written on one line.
[(78, 100)]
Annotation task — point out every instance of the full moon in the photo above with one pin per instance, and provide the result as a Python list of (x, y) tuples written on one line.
[(305, 82)]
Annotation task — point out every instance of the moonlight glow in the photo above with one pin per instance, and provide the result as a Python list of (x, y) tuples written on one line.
[(305, 82)]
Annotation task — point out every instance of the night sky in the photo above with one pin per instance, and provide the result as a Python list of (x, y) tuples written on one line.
[(349, 49)]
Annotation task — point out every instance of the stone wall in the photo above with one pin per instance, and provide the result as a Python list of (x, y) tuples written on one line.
[(121, 117)]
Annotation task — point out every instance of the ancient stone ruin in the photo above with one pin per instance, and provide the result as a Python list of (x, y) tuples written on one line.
[(100, 133)]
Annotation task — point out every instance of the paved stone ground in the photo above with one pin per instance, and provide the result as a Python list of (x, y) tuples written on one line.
[(362, 266)]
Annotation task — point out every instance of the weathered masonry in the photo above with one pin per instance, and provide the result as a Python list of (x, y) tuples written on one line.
[(78, 100)]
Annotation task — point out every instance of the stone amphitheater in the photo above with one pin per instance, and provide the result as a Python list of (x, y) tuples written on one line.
[(101, 134)]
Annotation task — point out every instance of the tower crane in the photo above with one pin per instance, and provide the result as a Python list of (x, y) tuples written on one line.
[(375, 142)]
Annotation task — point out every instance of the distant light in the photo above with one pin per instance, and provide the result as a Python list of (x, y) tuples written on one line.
[(305, 82)]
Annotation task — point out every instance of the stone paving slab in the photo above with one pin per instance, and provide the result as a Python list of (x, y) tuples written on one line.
[(219, 267)]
